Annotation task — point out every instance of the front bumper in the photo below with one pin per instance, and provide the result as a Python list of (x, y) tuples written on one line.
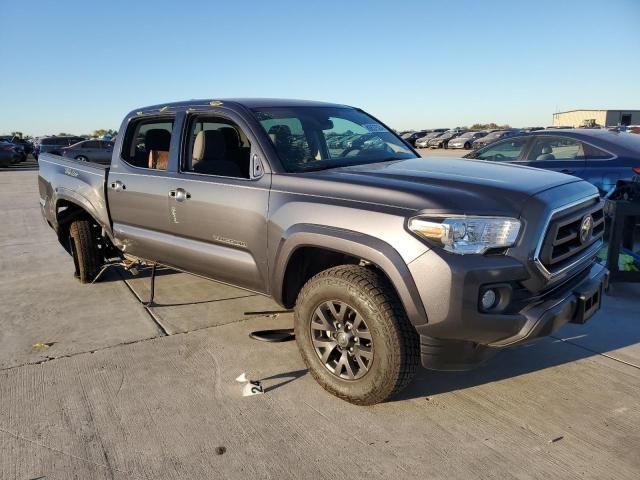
[(452, 303)]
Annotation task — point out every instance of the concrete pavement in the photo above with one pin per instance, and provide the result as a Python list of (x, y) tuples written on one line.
[(127, 392)]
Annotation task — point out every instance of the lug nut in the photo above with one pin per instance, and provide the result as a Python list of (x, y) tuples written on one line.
[(339, 325), (356, 339)]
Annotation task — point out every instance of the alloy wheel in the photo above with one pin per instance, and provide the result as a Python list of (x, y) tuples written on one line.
[(342, 340)]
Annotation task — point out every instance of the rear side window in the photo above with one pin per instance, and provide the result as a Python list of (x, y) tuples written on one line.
[(90, 144), (594, 153), (146, 143)]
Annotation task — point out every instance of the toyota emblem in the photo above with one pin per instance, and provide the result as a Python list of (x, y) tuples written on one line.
[(585, 228)]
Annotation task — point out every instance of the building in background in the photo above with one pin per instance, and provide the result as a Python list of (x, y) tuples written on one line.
[(590, 118)]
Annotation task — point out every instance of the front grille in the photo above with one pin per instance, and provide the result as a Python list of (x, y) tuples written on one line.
[(569, 236)]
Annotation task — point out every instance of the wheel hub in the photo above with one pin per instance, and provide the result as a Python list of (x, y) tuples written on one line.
[(343, 339)]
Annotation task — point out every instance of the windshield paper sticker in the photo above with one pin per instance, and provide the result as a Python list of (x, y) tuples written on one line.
[(374, 128)]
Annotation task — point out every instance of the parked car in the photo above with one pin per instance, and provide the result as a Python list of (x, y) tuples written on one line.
[(493, 137), (389, 259), (25, 145), (442, 141), (8, 154), (54, 144), (98, 151), (424, 141), (466, 139), (411, 138), (18, 149), (600, 157)]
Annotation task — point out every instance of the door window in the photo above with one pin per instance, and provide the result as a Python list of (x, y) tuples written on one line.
[(146, 143), (217, 146), (505, 151), (90, 144), (556, 148)]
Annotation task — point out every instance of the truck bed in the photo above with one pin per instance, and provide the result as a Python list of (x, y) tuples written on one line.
[(63, 181)]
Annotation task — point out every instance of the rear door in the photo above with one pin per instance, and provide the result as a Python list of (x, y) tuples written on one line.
[(89, 149), (217, 204), (138, 195)]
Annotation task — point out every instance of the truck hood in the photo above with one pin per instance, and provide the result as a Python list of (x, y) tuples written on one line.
[(448, 185)]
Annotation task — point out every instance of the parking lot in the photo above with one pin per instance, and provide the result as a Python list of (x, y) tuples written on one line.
[(94, 385)]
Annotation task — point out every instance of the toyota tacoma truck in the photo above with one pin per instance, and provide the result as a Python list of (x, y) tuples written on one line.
[(389, 260)]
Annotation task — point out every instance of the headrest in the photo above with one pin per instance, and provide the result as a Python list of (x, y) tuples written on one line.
[(546, 149), (157, 139), (208, 145), (280, 133), (231, 137)]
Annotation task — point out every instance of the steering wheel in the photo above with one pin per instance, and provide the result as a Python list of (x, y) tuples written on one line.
[(499, 156), (351, 152)]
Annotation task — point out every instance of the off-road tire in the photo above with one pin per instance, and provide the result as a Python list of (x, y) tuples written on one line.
[(396, 347), (84, 250)]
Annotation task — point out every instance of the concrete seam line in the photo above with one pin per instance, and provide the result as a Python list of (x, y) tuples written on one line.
[(41, 445), (596, 352), (123, 344), (154, 318)]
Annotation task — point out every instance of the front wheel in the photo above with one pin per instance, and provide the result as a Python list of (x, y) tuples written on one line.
[(354, 335), (467, 146)]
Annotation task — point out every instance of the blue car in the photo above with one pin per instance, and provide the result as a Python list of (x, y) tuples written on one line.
[(600, 157)]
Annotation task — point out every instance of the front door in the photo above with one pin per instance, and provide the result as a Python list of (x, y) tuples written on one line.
[(217, 207)]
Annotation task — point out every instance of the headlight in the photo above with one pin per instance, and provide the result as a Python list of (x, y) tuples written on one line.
[(467, 235)]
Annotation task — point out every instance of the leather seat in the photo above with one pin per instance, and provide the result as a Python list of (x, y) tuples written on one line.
[(157, 142), (235, 151), (546, 154), (283, 140), (210, 155)]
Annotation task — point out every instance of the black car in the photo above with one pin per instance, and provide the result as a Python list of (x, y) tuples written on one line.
[(494, 137), (598, 156), (411, 137)]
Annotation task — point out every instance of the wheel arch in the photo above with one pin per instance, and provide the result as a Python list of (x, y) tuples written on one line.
[(326, 247)]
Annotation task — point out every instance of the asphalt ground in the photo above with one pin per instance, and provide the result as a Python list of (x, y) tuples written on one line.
[(93, 385)]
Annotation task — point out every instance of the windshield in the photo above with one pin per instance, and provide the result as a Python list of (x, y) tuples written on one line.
[(317, 138), (468, 134)]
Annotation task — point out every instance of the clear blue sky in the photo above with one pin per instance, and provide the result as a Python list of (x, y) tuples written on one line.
[(79, 65)]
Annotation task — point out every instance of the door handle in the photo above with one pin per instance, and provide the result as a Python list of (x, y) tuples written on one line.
[(180, 194), (567, 171), (118, 186)]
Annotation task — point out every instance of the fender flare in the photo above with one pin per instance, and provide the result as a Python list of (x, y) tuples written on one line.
[(366, 247), (79, 201)]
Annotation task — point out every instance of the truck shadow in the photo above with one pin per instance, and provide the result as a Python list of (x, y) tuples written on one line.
[(614, 332)]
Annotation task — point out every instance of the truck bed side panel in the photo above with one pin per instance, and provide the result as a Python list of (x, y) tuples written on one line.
[(81, 183)]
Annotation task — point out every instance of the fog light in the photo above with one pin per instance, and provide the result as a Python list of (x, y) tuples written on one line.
[(488, 299)]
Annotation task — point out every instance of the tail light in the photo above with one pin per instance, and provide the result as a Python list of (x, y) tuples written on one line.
[(636, 170)]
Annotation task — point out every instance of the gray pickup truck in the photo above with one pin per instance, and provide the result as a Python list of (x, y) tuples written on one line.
[(389, 260)]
